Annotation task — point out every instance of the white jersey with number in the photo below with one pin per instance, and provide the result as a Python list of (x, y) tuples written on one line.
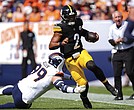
[(37, 83)]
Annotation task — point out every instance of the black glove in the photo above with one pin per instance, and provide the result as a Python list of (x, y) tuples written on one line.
[(91, 37)]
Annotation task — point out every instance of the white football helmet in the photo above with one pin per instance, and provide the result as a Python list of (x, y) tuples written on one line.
[(57, 60)]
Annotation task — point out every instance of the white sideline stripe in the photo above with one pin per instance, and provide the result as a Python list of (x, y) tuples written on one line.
[(93, 97), (111, 80)]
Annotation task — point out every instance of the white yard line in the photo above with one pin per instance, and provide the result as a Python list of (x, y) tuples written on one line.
[(93, 97)]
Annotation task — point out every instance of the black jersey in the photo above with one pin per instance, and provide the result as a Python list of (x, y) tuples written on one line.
[(27, 39), (74, 34)]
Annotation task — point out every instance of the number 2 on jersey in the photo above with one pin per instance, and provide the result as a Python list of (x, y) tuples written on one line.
[(76, 38)]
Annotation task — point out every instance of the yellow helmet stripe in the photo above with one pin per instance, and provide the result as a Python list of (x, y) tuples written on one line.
[(70, 8)]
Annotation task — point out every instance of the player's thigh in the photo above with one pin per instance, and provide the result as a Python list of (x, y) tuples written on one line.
[(84, 58), (76, 71), (17, 96)]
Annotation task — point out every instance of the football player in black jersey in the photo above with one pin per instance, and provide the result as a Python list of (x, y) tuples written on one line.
[(67, 36)]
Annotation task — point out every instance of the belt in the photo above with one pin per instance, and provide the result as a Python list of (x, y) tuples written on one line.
[(75, 55), (124, 49)]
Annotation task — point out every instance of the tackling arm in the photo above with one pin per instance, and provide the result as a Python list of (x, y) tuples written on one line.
[(67, 76), (59, 84)]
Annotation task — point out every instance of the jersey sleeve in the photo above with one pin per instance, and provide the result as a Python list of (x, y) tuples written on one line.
[(57, 28), (79, 20)]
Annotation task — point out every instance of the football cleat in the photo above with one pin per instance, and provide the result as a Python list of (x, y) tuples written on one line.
[(86, 102), (131, 97), (111, 89)]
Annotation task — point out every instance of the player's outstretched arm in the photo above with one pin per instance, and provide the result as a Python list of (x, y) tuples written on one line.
[(67, 77), (59, 84)]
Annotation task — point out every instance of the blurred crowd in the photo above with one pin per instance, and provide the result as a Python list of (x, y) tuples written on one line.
[(49, 10)]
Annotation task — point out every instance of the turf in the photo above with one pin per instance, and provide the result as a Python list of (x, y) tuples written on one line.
[(101, 90), (60, 104)]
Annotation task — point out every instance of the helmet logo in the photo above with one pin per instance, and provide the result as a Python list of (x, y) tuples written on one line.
[(56, 59)]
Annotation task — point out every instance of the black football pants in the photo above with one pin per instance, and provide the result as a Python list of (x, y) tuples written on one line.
[(119, 58)]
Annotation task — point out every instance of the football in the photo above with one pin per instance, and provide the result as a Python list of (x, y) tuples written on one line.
[(92, 37)]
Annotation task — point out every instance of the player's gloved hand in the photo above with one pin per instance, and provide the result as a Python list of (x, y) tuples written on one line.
[(92, 37), (79, 89)]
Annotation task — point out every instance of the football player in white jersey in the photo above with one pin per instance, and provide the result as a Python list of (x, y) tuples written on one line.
[(47, 75)]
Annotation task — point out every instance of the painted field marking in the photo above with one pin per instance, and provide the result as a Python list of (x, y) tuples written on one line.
[(93, 97)]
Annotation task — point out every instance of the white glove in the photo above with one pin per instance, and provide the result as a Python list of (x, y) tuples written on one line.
[(79, 89)]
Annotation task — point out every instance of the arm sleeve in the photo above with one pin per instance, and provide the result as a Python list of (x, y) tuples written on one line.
[(67, 76), (84, 32), (59, 84)]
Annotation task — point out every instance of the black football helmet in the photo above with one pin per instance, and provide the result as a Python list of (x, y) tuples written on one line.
[(68, 14), (57, 60)]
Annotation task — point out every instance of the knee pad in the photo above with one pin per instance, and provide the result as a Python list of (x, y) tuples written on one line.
[(90, 65)]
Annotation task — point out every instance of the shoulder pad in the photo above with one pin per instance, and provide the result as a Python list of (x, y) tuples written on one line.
[(79, 20), (57, 28)]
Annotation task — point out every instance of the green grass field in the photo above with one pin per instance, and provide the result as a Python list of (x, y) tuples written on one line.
[(59, 104)]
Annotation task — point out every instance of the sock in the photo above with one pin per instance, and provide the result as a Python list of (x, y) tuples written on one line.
[(7, 105)]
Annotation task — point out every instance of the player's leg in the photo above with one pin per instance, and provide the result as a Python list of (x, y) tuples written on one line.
[(17, 97), (86, 61), (76, 71), (79, 77), (100, 75), (7, 90), (7, 106), (18, 101), (85, 99)]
